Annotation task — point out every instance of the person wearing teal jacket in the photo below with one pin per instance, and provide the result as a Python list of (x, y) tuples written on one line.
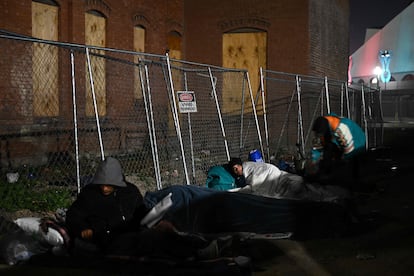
[(218, 178), (222, 177), (337, 140)]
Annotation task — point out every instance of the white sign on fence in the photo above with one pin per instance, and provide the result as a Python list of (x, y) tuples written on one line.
[(186, 101)]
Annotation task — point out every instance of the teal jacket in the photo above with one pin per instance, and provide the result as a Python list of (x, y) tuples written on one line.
[(219, 178)]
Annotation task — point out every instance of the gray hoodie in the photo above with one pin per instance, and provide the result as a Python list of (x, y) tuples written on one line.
[(109, 172)]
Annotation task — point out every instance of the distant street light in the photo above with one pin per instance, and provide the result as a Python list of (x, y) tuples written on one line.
[(377, 72)]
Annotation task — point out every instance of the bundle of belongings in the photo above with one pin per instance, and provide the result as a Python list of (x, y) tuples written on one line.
[(24, 237), (44, 242)]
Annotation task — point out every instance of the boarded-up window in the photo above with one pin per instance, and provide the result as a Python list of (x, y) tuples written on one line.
[(45, 60), (95, 35), (242, 50), (139, 46), (174, 46)]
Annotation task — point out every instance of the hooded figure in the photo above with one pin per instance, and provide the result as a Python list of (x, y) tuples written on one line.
[(109, 172), (106, 217), (106, 209)]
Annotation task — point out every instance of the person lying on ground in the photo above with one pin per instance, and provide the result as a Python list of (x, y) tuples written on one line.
[(222, 178), (267, 180)]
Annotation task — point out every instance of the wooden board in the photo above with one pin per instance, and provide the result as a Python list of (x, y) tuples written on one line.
[(243, 51), (95, 31), (139, 46), (45, 61)]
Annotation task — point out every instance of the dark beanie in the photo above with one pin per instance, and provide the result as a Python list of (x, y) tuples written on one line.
[(235, 161), (321, 125)]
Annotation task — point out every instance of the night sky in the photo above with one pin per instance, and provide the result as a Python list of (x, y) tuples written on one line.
[(371, 14)]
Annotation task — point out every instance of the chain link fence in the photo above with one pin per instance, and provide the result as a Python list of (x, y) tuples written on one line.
[(294, 101), (65, 107)]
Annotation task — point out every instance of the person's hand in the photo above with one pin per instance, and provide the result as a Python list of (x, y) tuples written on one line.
[(87, 234)]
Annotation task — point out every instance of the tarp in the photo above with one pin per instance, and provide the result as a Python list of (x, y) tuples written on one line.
[(202, 210)]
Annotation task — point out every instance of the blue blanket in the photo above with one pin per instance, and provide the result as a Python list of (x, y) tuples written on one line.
[(203, 210)]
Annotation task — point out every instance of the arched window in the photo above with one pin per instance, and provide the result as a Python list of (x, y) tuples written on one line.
[(174, 45), (45, 66), (95, 35), (139, 39)]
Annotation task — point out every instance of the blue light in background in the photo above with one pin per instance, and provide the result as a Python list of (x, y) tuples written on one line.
[(385, 58)]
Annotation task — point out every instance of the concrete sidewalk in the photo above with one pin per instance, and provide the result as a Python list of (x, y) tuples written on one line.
[(383, 244)]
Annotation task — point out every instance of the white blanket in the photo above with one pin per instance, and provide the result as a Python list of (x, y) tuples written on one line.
[(267, 180)]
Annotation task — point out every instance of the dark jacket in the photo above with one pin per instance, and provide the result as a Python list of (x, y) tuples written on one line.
[(108, 216), (115, 221)]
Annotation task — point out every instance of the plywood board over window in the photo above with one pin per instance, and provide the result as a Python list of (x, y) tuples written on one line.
[(139, 46), (242, 50), (45, 61), (174, 47), (95, 35)]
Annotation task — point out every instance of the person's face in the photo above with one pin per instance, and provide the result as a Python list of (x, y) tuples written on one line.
[(238, 169), (107, 189), (318, 140)]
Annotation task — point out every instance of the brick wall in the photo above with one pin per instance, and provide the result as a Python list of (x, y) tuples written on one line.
[(329, 38), (15, 16), (304, 36), (159, 17), (307, 37)]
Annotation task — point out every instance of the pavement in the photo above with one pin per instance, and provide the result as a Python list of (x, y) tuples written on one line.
[(383, 241)]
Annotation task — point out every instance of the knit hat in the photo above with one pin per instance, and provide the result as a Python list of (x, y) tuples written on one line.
[(235, 161), (321, 125)]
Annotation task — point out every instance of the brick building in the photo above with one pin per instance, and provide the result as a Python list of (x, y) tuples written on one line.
[(299, 36), (307, 37)]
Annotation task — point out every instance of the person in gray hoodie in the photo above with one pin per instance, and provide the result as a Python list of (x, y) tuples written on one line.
[(106, 209), (106, 216)]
